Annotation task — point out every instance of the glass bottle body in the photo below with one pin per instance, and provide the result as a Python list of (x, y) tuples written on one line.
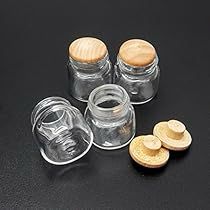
[(84, 77), (111, 117), (141, 83), (60, 130)]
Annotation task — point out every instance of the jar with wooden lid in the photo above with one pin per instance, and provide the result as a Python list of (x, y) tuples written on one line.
[(88, 67), (137, 70)]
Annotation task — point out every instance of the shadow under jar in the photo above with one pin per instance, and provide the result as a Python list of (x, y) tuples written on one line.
[(60, 130), (137, 70), (111, 117), (88, 67)]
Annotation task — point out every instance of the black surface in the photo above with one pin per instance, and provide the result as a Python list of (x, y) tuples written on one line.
[(34, 37)]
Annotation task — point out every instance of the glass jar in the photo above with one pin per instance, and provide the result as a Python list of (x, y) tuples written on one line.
[(137, 70), (88, 67), (110, 116), (60, 130)]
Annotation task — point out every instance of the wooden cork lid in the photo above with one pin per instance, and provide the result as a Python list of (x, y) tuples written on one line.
[(147, 151), (173, 135), (137, 52), (87, 50)]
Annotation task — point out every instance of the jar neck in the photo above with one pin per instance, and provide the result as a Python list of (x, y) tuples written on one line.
[(89, 68), (109, 102), (46, 104), (135, 70)]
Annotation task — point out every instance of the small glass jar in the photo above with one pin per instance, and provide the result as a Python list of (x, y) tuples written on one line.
[(137, 70), (61, 132), (111, 117), (88, 67)]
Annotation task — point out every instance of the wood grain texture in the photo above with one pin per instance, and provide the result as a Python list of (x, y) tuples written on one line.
[(173, 135), (87, 50), (147, 151), (137, 52)]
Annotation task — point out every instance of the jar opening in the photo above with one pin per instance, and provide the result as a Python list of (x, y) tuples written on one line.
[(108, 101), (109, 104), (53, 117), (44, 105)]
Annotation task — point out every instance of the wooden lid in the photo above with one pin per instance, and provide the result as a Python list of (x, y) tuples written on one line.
[(173, 135), (137, 52), (87, 50), (151, 144), (147, 151), (176, 126)]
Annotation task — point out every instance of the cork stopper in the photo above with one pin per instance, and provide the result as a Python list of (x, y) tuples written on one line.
[(151, 145), (175, 129), (173, 135), (87, 50), (137, 52), (147, 151)]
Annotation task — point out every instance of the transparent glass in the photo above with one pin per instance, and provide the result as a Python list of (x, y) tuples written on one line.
[(60, 130), (141, 83), (111, 117), (84, 77)]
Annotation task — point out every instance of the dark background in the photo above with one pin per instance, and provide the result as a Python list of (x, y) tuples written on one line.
[(34, 38)]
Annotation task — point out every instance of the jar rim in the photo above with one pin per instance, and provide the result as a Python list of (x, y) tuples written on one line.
[(137, 70), (89, 67), (44, 104), (107, 112)]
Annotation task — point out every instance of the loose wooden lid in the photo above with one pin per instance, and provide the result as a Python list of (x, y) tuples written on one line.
[(137, 52), (87, 50), (147, 151), (173, 135)]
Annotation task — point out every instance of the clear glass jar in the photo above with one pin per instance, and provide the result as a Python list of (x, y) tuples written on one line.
[(110, 116), (86, 73), (60, 130), (140, 82)]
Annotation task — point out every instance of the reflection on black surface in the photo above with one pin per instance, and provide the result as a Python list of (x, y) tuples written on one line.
[(109, 153), (80, 169), (148, 171), (174, 156), (89, 165), (178, 155)]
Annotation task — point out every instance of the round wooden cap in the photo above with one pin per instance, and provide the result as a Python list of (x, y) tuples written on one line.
[(176, 126), (87, 50), (151, 143), (147, 151), (137, 52), (173, 135)]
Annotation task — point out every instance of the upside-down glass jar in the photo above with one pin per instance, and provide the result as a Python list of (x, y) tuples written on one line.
[(60, 130), (88, 67), (137, 70), (111, 117)]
